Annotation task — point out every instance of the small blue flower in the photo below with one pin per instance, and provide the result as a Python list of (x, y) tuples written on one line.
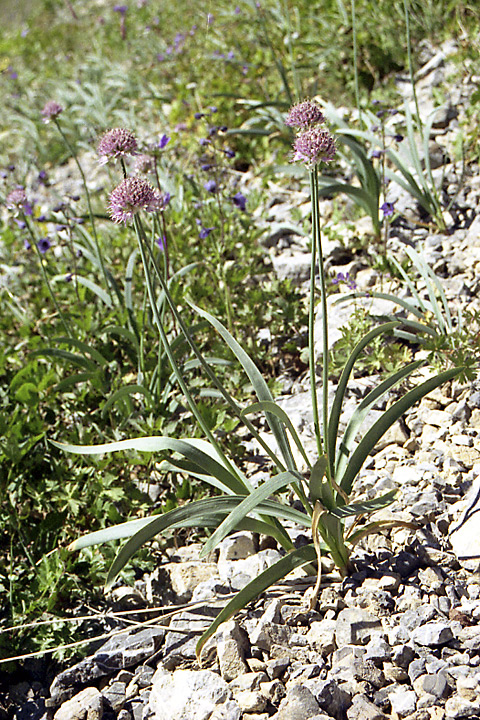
[(376, 153), (161, 242), (210, 186), (44, 244), (387, 208), (164, 140), (240, 201)]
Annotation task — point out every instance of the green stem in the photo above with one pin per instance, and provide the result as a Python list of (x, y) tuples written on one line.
[(355, 60), (89, 205), (183, 386), (311, 323), (410, 63), (47, 281)]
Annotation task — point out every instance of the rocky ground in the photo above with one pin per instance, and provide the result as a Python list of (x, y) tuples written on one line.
[(400, 637)]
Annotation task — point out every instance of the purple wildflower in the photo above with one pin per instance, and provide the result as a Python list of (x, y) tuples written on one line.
[(26, 244), (210, 186), (122, 9), (314, 146), (161, 242), (345, 278), (44, 244), (304, 115), (17, 200), (116, 143), (229, 153), (240, 201), (133, 194), (387, 208), (398, 138), (376, 153), (164, 140), (198, 115), (51, 111)]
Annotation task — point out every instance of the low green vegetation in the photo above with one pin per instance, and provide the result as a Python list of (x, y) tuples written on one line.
[(205, 94)]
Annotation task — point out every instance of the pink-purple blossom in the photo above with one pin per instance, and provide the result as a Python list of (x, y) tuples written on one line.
[(51, 111), (116, 143), (304, 115), (314, 146), (133, 194), (17, 200)]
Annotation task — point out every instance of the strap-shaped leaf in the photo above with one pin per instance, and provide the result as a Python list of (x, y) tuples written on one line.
[(390, 416), (291, 561), (259, 385), (125, 393), (75, 359), (84, 348), (342, 386), (96, 289), (365, 508), (223, 505), (316, 483), (188, 448), (429, 276), (248, 505), (274, 409), (406, 304), (363, 409), (75, 379)]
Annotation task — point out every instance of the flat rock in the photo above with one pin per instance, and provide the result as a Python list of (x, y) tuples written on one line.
[(86, 705), (188, 695)]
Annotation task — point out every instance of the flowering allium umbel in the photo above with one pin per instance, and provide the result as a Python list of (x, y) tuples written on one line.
[(17, 200), (51, 110), (304, 115), (116, 143), (314, 146), (133, 194)]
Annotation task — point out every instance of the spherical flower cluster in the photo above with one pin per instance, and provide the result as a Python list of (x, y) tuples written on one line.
[(314, 146), (17, 200), (134, 194), (304, 115), (116, 143), (51, 111)]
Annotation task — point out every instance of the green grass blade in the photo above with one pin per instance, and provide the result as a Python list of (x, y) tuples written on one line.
[(126, 392), (390, 416), (429, 276), (84, 348), (75, 359), (295, 559), (406, 304), (96, 289)]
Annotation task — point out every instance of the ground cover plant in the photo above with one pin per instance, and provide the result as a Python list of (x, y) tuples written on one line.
[(81, 359)]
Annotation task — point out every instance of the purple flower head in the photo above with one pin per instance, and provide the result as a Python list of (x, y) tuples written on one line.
[(122, 9), (164, 140), (210, 186), (17, 200), (240, 201), (21, 224), (161, 242), (230, 55), (314, 146), (116, 143), (398, 137), (51, 111), (237, 10), (44, 244), (26, 244), (204, 232), (387, 208), (345, 278), (206, 167), (304, 115), (229, 153), (198, 115), (204, 141), (133, 194), (213, 108)]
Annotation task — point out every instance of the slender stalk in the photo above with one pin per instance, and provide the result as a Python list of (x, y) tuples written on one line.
[(323, 291), (311, 322), (89, 205), (47, 281)]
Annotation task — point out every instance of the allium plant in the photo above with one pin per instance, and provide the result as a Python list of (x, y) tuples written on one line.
[(324, 490)]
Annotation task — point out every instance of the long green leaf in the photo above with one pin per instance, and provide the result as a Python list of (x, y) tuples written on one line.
[(260, 386), (188, 448), (406, 304), (248, 505), (125, 392), (294, 559), (75, 359), (96, 289), (274, 409), (342, 386), (84, 348), (362, 410), (390, 416), (364, 508)]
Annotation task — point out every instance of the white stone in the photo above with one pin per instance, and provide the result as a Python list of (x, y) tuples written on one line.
[(187, 695), (86, 705)]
